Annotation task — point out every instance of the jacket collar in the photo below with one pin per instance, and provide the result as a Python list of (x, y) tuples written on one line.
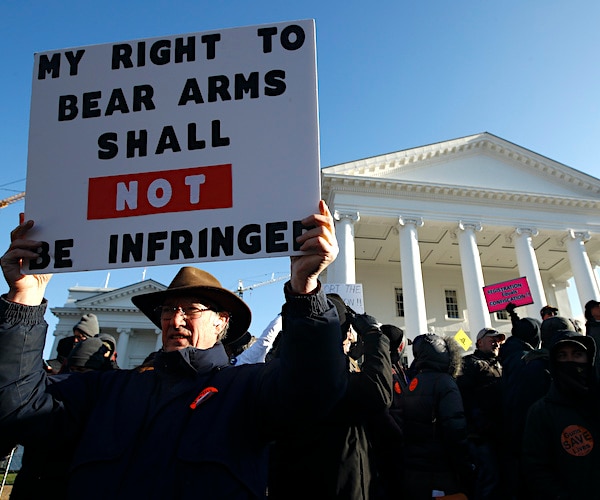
[(192, 360)]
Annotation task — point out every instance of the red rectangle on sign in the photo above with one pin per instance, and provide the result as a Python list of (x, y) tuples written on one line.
[(499, 295), (184, 190)]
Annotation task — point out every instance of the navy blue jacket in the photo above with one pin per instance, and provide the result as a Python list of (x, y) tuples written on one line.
[(134, 433)]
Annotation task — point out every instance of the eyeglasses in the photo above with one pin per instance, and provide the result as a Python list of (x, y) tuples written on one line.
[(167, 312)]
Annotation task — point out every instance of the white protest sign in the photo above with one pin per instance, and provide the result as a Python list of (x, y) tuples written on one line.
[(351, 294), (172, 150)]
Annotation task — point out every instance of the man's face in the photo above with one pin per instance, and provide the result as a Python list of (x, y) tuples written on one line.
[(548, 313), (79, 335), (596, 312), (490, 343), (192, 324), (570, 351)]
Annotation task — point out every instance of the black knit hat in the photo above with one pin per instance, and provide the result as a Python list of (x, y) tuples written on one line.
[(64, 347), (550, 327), (528, 330), (88, 325), (589, 305), (395, 334), (108, 340), (92, 354)]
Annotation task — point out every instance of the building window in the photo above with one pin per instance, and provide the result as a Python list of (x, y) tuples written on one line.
[(451, 304), (399, 301), (502, 315)]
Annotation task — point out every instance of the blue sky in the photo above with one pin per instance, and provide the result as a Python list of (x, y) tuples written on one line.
[(392, 75)]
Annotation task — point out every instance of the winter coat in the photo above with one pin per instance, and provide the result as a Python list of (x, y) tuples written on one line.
[(385, 433), (137, 434), (480, 385), (435, 430), (524, 381), (561, 444), (561, 449), (331, 459)]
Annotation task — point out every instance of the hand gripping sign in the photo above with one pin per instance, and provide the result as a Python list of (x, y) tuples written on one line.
[(514, 291), (180, 149)]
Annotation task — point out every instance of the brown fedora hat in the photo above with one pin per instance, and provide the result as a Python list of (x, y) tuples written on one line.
[(194, 282)]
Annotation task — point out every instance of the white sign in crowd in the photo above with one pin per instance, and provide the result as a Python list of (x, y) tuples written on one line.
[(173, 150)]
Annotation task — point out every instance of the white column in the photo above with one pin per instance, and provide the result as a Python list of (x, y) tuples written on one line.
[(585, 281), (345, 266), (122, 342), (477, 310), (560, 298), (528, 267), (415, 318), (159, 342)]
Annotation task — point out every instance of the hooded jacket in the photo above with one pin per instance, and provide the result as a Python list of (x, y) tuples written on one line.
[(434, 425), (561, 447), (137, 434)]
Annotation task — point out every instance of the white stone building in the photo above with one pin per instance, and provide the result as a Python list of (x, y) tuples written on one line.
[(136, 335), (424, 230)]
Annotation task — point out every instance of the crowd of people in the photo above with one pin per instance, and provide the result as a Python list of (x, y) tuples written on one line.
[(322, 404)]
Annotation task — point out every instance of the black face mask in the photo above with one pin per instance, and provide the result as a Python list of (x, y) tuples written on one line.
[(573, 378)]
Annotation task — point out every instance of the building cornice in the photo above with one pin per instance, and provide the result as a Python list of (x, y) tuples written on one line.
[(334, 183)]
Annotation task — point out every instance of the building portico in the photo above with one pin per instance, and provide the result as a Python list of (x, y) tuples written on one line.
[(425, 229)]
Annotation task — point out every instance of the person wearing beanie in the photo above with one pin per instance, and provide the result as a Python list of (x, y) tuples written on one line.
[(88, 356), (86, 328), (561, 454), (111, 344), (385, 428)]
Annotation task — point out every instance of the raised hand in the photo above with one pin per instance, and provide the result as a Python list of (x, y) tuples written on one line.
[(321, 247), (27, 289)]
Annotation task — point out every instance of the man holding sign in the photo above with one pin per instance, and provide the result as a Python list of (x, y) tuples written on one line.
[(190, 425), (166, 144)]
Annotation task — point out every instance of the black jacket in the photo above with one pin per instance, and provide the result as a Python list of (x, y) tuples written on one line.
[(135, 434), (480, 386), (561, 453), (434, 424), (331, 459)]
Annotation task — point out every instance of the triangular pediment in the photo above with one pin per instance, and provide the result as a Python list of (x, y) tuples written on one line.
[(120, 297), (88, 299), (480, 162)]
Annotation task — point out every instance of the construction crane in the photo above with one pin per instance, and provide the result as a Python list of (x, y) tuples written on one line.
[(11, 199), (241, 288)]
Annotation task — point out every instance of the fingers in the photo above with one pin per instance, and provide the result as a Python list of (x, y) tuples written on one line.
[(322, 229), (21, 230), (21, 248)]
